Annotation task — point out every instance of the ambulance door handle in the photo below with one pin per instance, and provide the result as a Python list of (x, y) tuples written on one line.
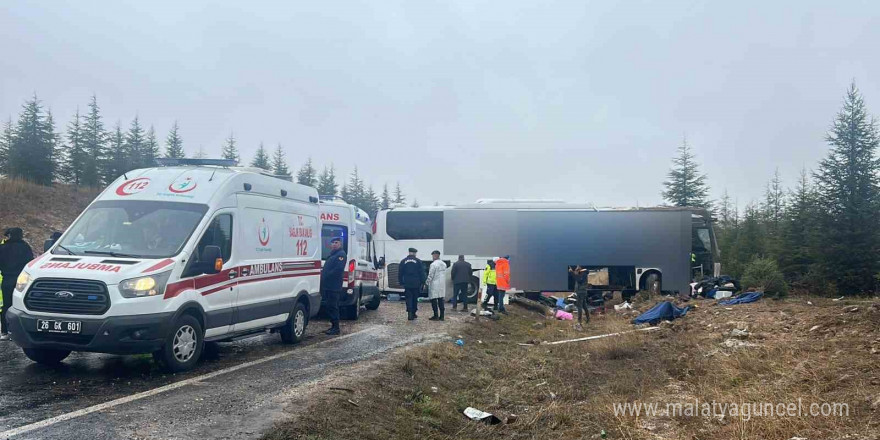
[(232, 274)]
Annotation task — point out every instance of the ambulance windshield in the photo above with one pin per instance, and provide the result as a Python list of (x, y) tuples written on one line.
[(128, 228)]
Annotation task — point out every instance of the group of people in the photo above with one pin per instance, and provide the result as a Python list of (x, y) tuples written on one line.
[(15, 254), (411, 275)]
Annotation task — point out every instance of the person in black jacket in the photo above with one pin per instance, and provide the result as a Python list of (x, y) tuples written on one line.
[(461, 277), (14, 256), (331, 283), (411, 275)]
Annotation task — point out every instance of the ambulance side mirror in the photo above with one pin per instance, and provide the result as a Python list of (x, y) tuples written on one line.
[(210, 256)]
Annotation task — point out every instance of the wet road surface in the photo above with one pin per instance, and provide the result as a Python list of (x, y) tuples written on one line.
[(235, 404)]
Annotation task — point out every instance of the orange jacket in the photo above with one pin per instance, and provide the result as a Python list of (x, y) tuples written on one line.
[(502, 274)]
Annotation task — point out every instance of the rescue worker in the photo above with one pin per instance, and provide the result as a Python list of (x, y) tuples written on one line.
[(489, 279), (411, 275), (331, 283), (502, 273), (581, 289), (437, 286), (15, 254), (461, 278)]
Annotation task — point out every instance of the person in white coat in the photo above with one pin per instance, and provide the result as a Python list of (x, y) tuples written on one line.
[(437, 286)]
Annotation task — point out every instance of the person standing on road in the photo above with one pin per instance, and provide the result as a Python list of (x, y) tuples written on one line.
[(437, 286), (502, 271), (461, 278), (489, 279), (15, 254), (411, 275), (331, 283)]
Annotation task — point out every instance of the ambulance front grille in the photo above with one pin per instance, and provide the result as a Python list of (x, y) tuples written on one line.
[(392, 276), (73, 297)]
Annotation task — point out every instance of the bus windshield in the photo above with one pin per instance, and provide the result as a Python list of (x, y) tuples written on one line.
[(414, 225), (136, 229)]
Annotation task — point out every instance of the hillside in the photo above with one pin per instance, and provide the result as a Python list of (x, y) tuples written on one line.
[(40, 210)]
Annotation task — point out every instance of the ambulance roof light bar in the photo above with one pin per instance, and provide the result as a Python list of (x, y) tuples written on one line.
[(171, 162)]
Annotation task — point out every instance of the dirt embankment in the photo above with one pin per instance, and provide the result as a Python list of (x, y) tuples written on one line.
[(40, 210), (802, 350)]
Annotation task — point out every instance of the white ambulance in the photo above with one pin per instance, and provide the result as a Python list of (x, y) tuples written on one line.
[(352, 224), (167, 258)]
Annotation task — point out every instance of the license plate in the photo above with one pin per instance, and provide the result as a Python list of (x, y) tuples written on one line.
[(52, 326)]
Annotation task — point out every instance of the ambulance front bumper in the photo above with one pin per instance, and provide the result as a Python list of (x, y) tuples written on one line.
[(114, 335)]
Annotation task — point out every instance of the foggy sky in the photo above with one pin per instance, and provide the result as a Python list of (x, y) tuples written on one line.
[(460, 100)]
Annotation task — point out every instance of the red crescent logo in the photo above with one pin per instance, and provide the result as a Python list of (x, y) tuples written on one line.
[(133, 186)]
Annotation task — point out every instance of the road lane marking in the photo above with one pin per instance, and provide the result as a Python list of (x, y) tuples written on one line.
[(172, 386)]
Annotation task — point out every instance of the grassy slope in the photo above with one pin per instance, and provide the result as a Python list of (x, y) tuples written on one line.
[(40, 210), (567, 391)]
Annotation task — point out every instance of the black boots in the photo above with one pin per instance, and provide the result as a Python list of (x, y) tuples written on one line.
[(332, 331)]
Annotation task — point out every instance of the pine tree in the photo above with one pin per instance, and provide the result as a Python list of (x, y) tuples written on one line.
[(685, 185), (118, 159), (230, 151), (307, 175), (5, 144), (327, 185), (95, 146), (76, 158), (415, 203), (725, 210), (399, 198), (386, 198), (151, 148), (354, 192), (32, 147), (772, 214), (371, 202), (56, 153), (261, 159), (799, 231), (174, 144), (847, 181), (134, 145), (279, 163)]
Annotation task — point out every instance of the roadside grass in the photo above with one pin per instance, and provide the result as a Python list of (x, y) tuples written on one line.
[(568, 391), (40, 210)]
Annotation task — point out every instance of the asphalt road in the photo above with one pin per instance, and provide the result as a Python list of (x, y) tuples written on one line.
[(210, 402)]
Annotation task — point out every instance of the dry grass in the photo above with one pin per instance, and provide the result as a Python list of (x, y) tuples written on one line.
[(40, 210), (568, 391)]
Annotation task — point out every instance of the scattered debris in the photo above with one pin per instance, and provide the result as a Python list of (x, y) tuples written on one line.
[(434, 389), (739, 333), (852, 309), (352, 402), (481, 416), (809, 302), (541, 384), (838, 299), (815, 327), (341, 389), (459, 342), (602, 336), (736, 343), (623, 306)]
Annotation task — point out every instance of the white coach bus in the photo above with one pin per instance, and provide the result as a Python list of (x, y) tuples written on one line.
[(398, 229)]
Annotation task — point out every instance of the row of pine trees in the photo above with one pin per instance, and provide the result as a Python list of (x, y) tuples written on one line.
[(823, 232), (90, 155)]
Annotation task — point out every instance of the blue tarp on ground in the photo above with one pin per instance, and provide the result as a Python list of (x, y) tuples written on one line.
[(665, 311), (742, 299)]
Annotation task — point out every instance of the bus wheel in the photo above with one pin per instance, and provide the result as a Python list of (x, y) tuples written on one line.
[(473, 287), (652, 284)]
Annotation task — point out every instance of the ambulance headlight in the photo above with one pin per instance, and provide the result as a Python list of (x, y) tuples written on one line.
[(23, 280), (151, 285)]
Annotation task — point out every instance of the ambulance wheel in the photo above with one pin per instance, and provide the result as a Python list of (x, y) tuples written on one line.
[(183, 345), (295, 328), (352, 312), (374, 303), (46, 356)]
